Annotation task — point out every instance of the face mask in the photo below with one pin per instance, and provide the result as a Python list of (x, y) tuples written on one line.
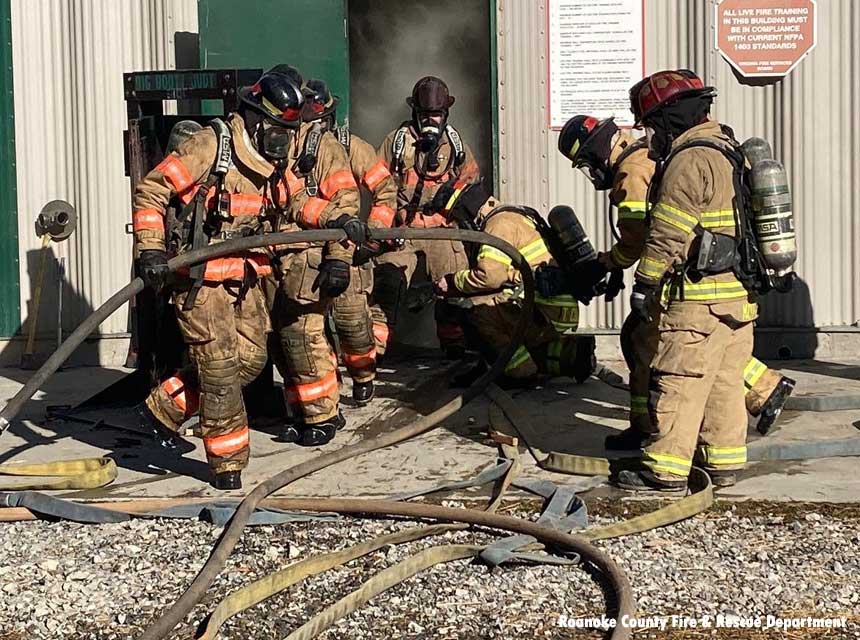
[(659, 145), (601, 179), (276, 141)]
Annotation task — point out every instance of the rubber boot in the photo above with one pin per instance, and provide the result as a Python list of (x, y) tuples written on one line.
[(722, 479), (314, 435), (774, 405), (631, 439), (227, 480), (362, 392), (585, 362), (153, 427), (645, 480)]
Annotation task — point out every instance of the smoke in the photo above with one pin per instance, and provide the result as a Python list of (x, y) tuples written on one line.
[(393, 43)]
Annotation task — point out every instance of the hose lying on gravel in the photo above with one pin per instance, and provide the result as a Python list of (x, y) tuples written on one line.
[(230, 536)]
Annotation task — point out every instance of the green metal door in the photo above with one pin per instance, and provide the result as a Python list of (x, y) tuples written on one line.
[(309, 34), (10, 302)]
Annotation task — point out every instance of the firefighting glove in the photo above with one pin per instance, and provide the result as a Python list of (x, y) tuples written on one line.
[(615, 284), (643, 300), (367, 251), (356, 230), (587, 281), (153, 268), (550, 281), (333, 278)]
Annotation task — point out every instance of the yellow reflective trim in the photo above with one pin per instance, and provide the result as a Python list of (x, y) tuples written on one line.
[(676, 217), (520, 357), (750, 311), (491, 253), (631, 210), (563, 300), (716, 219), (704, 291), (574, 148), (667, 463), (534, 250), (651, 268), (723, 456), (453, 199), (753, 372), (638, 405), (461, 281)]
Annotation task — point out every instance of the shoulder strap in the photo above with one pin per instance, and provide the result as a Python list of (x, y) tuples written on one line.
[(344, 137), (457, 144), (398, 149), (631, 148), (308, 159), (224, 147)]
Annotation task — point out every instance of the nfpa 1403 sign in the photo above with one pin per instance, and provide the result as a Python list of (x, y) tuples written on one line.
[(765, 37)]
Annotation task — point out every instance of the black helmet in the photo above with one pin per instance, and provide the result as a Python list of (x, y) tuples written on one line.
[(587, 142), (319, 101), (277, 97), (290, 71), (430, 94), (460, 201)]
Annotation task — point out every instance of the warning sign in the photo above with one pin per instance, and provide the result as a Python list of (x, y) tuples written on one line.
[(765, 37)]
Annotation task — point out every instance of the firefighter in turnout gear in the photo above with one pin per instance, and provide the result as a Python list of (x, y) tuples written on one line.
[(705, 326), (313, 188), (491, 291), (423, 154), (614, 160), (222, 175), (352, 318)]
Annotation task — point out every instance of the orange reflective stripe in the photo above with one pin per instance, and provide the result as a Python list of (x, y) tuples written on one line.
[(470, 171), (376, 174), (312, 211), (381, 332), (228, 443), (233, 268), (173, 169), (361, 360), (246, 204), (310, 391), (383, 214), (436, 220), (188, 400), (342, 179), (147, 219)]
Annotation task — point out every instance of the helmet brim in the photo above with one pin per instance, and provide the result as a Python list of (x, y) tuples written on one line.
[(704, 92)]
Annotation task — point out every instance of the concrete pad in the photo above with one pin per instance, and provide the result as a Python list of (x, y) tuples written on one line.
[(568, 418)]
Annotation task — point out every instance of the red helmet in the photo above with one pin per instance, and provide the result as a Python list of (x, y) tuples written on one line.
[(664, 87)]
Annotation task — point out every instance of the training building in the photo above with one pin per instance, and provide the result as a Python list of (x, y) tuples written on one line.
[(785, 70)]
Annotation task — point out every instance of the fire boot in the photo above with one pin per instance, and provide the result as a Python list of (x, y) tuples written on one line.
[(362, 392), (631, 439), (722, 478), (314, 435), (228, 480), (153, 427), (585, 362), (645, 480), (774, 405)]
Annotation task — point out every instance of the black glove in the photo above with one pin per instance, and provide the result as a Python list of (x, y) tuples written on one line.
[(588, 281), (333, 278), (642, 301), (367, 251), (550, 281), (153, 268), (356, 230), (615, 284)]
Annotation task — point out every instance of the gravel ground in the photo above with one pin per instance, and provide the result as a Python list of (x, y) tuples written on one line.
[(105, 582)]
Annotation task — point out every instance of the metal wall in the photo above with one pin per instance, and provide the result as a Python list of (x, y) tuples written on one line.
[(69, 57), (812, 118)]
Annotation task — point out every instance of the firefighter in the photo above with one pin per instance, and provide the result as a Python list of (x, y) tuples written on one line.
[(491, 289), (423, 154), (614, 160), (315, 189), (221, 174), (352, 318), (705, 327)]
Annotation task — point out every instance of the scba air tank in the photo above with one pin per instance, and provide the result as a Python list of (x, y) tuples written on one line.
[(773, 217), (571, 235)]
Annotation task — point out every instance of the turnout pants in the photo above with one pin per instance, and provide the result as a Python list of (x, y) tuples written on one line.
[(354, 325), (394, 274), (226, 339), (696, 399), (759, 382)]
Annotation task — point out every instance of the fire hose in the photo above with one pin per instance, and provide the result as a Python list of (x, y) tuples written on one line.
[(232, 533)]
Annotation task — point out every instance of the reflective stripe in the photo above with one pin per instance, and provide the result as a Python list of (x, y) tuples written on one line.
[(461, 281), (436, 220), (666, 463), (651, 268), (676, 217), (534, 251), (723, 456), (227, 444), (491, 253), (187, 400), (631, 210), (147, 219), (563, 300), (638, 405), (311, 212), (360, 360), (176, 173), (310, 391), (241, 204), (383, 214), (338, 180), (620, 258), (704, 291), (381, 332), (753, 372), (376, 174), (233, 268), (716, 219), (553, 357), (520, 357)]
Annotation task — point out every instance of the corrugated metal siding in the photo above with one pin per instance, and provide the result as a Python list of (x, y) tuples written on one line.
[(812, 118), (69, 57)]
